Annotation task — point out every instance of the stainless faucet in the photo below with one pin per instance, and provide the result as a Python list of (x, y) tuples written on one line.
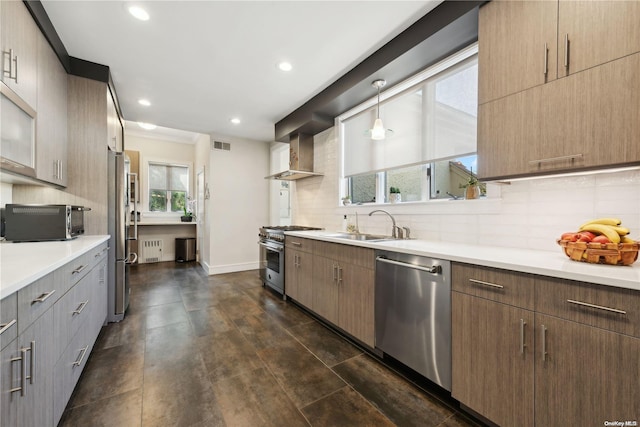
[(396, 232)]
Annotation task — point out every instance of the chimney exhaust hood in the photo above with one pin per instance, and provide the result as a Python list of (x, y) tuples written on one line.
[(300, 159)]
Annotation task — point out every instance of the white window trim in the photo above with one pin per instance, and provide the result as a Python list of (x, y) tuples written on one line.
[(410, 82)]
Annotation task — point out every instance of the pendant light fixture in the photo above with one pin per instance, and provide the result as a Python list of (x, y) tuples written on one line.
[(378, 132)]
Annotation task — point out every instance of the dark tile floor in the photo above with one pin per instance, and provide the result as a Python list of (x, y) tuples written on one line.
[(224, 351)]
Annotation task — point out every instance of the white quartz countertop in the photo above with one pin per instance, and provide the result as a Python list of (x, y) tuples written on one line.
[(545, 263), (24, 263)]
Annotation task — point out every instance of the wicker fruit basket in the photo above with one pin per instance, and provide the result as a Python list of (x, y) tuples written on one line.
[(601, 253)]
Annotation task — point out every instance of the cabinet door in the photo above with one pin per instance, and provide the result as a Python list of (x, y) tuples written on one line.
[(512, 37), (305, 279), (492, 359), (35, 408), (325, 288), (51, 147), (18, 33), (9, 379), (594, 116), (587, 376), (597, 31), (291, 273), (508, 130), (356, 304)]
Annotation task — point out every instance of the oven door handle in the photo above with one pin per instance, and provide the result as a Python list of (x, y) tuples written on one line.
[(273, 248)]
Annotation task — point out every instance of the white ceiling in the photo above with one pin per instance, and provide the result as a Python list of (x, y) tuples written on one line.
[(200, 63)]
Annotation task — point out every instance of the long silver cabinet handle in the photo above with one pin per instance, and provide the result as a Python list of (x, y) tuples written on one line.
[(546, 60), (23, 373), (32, 362), (481, 282), (335, 274), (296, 243), (83, 351), (339, 274), (43, 297), (522, 325), (544, 343), (80, 308), (79, 269), (566, 50), (557, 159), (6, 326), (436, 269), (599, 307)]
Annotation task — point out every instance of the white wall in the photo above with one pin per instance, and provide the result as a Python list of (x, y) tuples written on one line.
[(525, 214), (238, 204), (6, 193)]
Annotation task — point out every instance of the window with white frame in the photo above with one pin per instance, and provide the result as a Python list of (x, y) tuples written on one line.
[(168, 187), (432, 151)]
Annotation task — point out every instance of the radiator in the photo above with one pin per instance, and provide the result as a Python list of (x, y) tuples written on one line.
[(151, 250)]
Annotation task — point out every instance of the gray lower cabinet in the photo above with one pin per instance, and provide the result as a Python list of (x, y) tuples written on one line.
[(59, 318)]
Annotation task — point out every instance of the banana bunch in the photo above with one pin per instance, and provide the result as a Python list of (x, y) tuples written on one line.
[(601, 230)]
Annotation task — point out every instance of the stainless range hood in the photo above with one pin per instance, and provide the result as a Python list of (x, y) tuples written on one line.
[(300, 159)]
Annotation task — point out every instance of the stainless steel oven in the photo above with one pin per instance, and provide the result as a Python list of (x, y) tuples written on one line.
[(272, 255)]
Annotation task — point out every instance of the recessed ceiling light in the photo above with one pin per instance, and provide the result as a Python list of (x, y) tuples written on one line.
[(235, 121), (144, 102), (139, 13), (146, 126), (285, 66)]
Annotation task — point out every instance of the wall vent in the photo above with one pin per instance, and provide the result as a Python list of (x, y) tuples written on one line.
[(151, 250), (219, 145)]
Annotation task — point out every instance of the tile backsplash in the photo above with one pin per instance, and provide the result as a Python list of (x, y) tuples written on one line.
[(523, 214)]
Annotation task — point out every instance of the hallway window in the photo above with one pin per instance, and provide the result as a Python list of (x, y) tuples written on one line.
[(168, 187)]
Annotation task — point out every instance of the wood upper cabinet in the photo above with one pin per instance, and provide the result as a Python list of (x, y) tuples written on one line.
[(528, 43), (18, 35), (586, 121), (587, 375), (114, 126), (51, 125), (512, 36), (595, 33), (492, 359)]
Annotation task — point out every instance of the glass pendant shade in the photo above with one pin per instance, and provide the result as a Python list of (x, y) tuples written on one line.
[(378, 131)]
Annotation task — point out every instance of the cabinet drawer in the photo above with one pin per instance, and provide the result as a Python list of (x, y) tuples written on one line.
[(503, 286), (68, 369), (299, 244), (34, 300), (72, 311), (606, 307), (75, 270), (347, 254), (8, 320)]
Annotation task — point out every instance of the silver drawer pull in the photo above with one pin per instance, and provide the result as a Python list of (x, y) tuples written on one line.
[(480, 282), (6, 326), (80, 308), (544, 344), (23, 373), (556, 159), (79, 269), (43, 297), (83, 351), (296, 243), (522, 325), (599, 307)]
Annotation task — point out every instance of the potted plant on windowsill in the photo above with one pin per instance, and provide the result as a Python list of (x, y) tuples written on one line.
[(394, 195), (472, 187)]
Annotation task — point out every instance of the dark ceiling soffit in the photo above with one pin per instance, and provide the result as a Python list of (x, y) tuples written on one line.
[(402, 57), (74, 66), (46, 26)]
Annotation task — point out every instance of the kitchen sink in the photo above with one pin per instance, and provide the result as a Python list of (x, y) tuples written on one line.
[(360, 236)]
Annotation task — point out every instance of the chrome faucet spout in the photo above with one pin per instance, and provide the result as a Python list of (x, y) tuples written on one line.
[(394, 227)]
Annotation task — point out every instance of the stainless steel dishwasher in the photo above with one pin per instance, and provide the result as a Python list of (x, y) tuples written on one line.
[(413, 313)]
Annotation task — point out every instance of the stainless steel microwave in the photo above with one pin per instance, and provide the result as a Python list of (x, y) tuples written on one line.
[(35, 223)]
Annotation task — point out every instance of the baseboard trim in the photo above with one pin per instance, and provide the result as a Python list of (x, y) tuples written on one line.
[(230, 268)]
